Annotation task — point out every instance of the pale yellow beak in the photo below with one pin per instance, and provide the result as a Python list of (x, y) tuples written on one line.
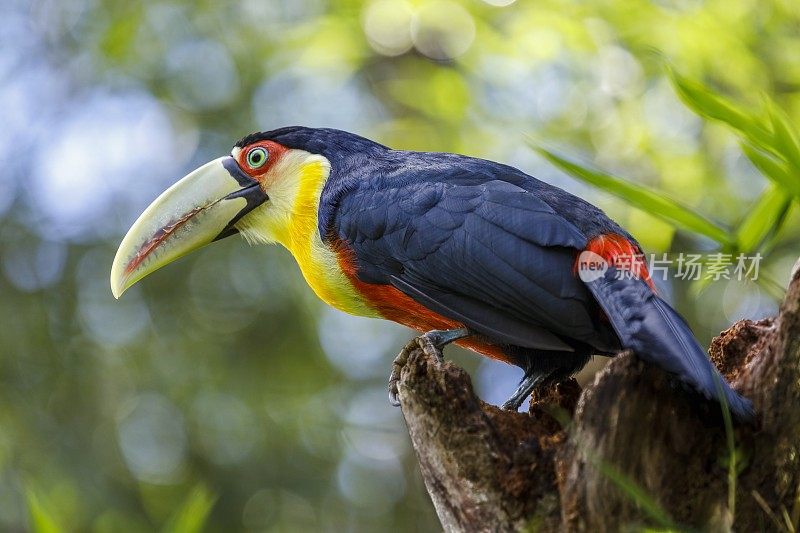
[(202, 207)]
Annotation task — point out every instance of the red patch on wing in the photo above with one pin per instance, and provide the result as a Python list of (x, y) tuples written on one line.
[(394, 305), (621, 253)]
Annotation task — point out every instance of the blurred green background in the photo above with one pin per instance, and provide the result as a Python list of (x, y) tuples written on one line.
[(220, 393)]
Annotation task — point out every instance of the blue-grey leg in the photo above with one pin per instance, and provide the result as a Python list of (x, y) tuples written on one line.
[(528, 384)]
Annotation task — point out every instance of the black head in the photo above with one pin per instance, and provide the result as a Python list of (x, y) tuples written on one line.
[(328, 142)]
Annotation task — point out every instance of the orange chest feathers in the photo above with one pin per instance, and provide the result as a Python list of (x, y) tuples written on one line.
[(394, 305)]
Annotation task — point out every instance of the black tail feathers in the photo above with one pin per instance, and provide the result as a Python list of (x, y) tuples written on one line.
[(658, 335)]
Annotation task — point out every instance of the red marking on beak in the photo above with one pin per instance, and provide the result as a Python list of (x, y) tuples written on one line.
[(159, 237)]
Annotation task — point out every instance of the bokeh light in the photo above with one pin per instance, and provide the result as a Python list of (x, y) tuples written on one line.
[(223, 374), (387, 26), (442, 29), (153, 439)]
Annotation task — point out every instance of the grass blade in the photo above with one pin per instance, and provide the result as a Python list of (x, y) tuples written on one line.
[(785, 135), (42, 520), (764, 220), (730, 440), (774, 134), (193, 513), (787, 519), (772, 168), (706, 103), (644, 198), (639, 496), (779, 526)]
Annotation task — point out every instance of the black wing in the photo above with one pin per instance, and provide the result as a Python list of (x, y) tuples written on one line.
[(478, 249)]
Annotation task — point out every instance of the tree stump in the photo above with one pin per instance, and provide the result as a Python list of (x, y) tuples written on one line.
[(633, 449)]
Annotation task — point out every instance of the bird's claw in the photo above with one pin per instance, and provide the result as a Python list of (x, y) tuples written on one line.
[(397, 367), (431, 344)]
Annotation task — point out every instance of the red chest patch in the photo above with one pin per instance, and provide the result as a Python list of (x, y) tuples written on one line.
[(394, 305)]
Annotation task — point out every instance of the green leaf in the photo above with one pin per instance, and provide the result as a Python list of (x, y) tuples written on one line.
[(772, 168), (774, 134), (42, 520), (764, 220), (785, 136), (193, 513), (654, 202), (706, 103)]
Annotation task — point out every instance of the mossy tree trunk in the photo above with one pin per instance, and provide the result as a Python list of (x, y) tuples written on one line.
[(631, 449)]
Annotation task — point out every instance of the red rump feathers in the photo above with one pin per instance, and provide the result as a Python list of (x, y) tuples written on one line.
[(617, 251)]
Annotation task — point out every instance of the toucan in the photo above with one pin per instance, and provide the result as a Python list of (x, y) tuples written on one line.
[(460, 249)]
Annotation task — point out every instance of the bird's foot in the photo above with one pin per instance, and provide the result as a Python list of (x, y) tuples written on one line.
[(431, 343), (528, 384)]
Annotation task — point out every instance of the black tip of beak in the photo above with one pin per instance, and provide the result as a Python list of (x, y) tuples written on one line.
[(251, 191)]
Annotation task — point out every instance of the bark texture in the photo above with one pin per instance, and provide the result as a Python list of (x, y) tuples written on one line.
[(632, 449)]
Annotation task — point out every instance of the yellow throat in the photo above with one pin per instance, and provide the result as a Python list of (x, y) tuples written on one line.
[(290, 217)]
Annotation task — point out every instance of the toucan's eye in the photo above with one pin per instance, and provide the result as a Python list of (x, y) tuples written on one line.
[(257, 157)]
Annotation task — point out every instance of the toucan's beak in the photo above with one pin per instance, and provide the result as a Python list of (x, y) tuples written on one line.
[(201, 208)]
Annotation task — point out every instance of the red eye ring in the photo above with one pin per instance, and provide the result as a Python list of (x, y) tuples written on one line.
[(259, 157)]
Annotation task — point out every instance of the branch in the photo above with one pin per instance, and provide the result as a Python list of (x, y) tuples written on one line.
[(636, 447)]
